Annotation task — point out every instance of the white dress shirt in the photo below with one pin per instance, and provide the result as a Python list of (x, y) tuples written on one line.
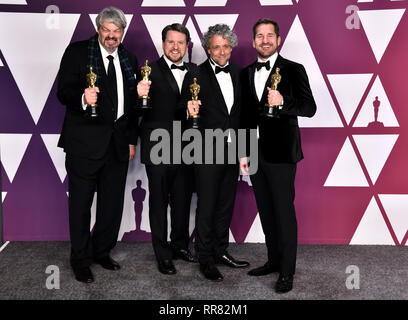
[(261, 75), (177, 73), (260, 78), (227, 88), (119, 78)]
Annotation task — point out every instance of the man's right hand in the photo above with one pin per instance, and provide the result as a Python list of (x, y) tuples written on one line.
[(243, 164), (91, 95), (193, 107), (143, 88)]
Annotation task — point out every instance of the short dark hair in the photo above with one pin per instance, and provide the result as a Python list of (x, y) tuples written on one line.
[(265, 21), (176, 27)]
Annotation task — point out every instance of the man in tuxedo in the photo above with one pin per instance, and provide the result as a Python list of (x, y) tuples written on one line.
[(216, 183), (97, 149), (279, 147), (168, 182)]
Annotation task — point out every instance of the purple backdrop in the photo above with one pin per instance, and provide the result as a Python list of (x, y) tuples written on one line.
[(351, 187)]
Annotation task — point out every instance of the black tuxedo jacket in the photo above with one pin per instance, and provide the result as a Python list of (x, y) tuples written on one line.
[(213, 111), (279, 138), (165, 97), (85, 137)]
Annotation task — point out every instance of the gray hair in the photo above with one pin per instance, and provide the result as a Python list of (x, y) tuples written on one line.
[(221, 30), (111, 14)]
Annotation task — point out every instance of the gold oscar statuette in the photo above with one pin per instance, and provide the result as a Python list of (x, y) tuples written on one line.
[(195, 90), (271, 110), (146, 71), (91, 79)]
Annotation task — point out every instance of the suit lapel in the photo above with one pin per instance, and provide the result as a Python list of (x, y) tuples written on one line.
[(234, 77), (215, 86), (251, 74), (125, 91), (168, 75)]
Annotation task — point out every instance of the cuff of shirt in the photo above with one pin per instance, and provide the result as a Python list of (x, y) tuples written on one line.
[(84, 105)]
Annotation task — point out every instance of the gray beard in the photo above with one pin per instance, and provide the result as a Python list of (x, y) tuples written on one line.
[(110, 50)]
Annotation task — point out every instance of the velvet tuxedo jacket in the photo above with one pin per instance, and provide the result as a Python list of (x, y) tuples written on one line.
[(279, 138)]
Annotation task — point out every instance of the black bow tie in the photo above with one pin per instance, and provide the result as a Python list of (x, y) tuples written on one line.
[(225, 69), (259, 65), (182, 67)]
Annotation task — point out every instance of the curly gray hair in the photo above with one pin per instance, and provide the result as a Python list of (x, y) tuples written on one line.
[(221, 30), (111, 14)]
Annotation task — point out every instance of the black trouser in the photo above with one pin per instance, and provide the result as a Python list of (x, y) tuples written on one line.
[(108, 176), (274, 188), (169, 184), (216, 188)]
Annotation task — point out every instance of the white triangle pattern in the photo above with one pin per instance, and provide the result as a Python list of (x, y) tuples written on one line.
[(385, 114), (380, 34), (275, 2), (231, 237), (34, 73), (198, 53), (128, 17), (12, 150), (375, 150), (93, 211), (204, 21), (297, 48), (155, 24), (18, 2), (255, 234), (163, 3), (372, 228), (396, 208), (193, 208), (346, 171), (349, 89), (210, 3), (57, 154), (3, 196), (1, 63)]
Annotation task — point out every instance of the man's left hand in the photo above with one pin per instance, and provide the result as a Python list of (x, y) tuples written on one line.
[(132, 152)]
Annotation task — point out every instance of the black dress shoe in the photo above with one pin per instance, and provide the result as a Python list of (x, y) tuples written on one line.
[(264, 270), (211, 272), (284, 283), (83, 274), (108, 263), (184, 254), (230, 261), (166, 267)]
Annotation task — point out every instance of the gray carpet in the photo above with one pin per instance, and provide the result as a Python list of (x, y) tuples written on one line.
[(320, 274)]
